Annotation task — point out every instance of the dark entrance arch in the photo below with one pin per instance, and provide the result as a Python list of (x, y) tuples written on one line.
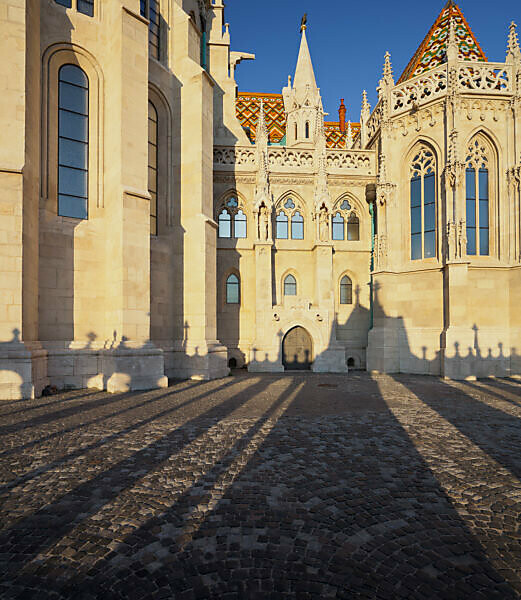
[(297, 350)]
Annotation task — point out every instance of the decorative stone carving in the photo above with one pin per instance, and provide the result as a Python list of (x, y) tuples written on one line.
[(419, 90), (323, 227)]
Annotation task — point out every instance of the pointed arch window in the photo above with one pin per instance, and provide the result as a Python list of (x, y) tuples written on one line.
[(233, 290), (152, 165), (73, 142), (477, 199), (346, 290), (240, 225), (290, 286), (338, 227), (282, 226), (297, 226), (423, 204), (353, 228), (225, 224)]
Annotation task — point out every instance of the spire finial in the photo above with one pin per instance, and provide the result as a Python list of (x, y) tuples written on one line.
[(365, 113), (304, 23), (513, 41), (452, 42), (261, 135), (388, 70)]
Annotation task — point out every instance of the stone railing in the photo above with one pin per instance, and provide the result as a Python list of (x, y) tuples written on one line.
[(419, 90), (291, 160), (488, 78), (373, 125)]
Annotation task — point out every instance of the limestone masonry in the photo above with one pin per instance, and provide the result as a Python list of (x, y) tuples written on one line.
[(157, 223)]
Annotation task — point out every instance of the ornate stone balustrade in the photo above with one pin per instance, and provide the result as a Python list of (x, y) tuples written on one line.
[(472, 78), (488, 78), (419, 90), (290, 160)]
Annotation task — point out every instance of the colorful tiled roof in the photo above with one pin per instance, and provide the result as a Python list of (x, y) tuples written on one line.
[(248, 106), (334, 137), (247, 110), (432, 50)]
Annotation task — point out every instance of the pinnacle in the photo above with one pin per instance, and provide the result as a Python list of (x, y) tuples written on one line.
[(388, 69), (304, 73)]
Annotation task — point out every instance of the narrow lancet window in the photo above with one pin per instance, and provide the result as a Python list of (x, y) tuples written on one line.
[(477, 195), (282, 226), (225, 224), (338, 227), (290, 286), (153, 179), (73, 142), (297, 226), (239, 224), (423, 204), (346, 290), (233, 291), (353, 228)]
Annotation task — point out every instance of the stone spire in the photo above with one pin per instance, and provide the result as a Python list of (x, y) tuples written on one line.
[(304, 73), (261, 135), (365, 113), (513, 48), (388, 70), (452, 42)]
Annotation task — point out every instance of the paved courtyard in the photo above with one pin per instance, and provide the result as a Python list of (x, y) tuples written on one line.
[(288, 486)]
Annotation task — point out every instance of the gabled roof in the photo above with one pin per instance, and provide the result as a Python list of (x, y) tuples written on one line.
[(431, 52), (247, 109)]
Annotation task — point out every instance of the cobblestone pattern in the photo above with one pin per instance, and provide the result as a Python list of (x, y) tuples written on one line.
[(287, 486)]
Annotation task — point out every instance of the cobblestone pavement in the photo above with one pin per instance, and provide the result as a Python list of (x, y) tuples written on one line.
[(288, 486)]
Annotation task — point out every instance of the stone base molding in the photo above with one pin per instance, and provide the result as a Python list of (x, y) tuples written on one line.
[(23, 370), (197, 360)]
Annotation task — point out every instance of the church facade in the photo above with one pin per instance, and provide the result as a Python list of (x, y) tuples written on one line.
[(156, 223)]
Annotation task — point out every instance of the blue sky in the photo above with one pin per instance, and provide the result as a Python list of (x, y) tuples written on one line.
[(348, 40)]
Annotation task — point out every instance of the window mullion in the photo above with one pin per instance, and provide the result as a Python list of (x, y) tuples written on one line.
[(478, 205)]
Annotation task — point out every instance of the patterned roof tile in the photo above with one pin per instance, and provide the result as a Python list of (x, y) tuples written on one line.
[(432, 50)]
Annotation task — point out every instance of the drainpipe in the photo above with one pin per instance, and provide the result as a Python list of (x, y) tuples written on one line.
[(370, 196)]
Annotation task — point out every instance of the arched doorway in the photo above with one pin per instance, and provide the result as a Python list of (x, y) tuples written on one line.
[(297, 350)]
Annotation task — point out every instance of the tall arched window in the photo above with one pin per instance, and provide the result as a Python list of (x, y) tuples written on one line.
[(233, 290), (297, 226), (281, 232), (346, 290), (477, 194), (73, 142), (296, 131), (307, 130), (423, 204), (290, 286), (152, 165), (353, 228), (150, 9), (225, 224), (240, 225), (338, 227)]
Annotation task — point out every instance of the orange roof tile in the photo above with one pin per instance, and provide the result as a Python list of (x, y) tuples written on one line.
[(247, 109)]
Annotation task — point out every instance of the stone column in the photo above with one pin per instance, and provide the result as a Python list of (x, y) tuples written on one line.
[(458, 338), (22, 361), (329, 357), (129, 360), (266, 354)]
